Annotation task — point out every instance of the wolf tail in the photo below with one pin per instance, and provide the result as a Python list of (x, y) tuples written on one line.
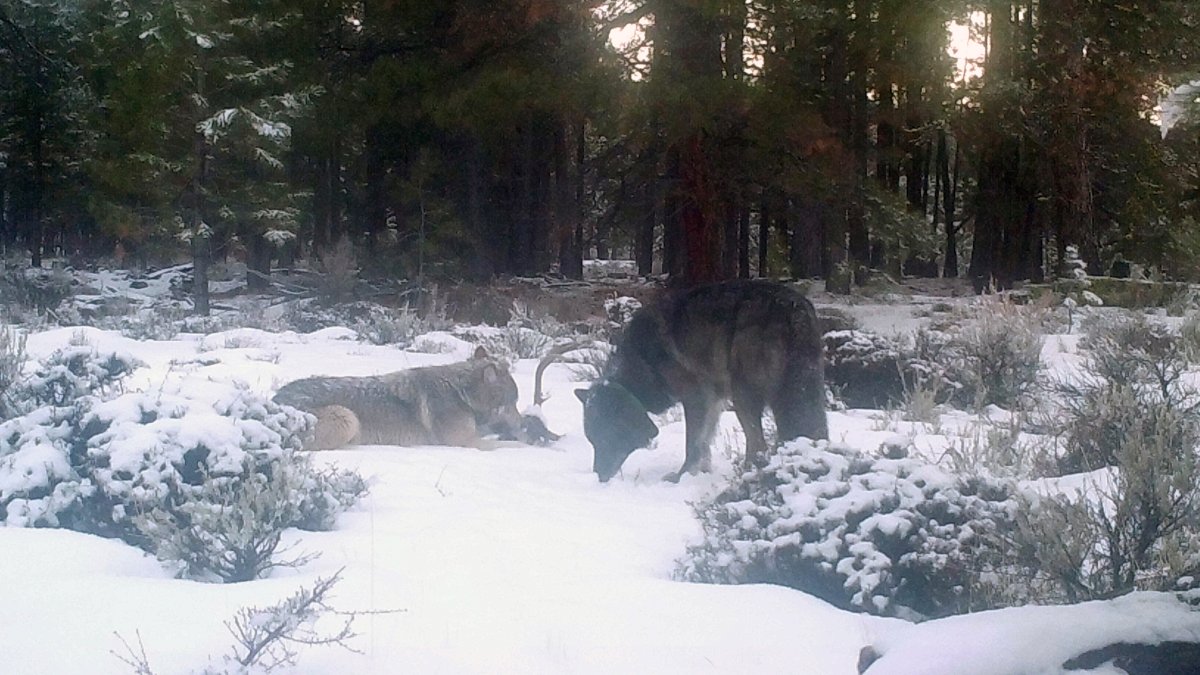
[(337, 426), (800, 405)]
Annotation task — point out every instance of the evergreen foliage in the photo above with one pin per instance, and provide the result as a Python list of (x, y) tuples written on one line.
[(721, 139)]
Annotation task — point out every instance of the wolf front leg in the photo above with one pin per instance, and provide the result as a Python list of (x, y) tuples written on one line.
[(700, 416)]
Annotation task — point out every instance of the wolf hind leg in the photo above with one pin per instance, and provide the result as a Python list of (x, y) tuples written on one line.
[(799, 406), (337, 426), (749, 408)]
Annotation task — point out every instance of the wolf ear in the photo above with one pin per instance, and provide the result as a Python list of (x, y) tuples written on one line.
[(583, 395), (480, 353)]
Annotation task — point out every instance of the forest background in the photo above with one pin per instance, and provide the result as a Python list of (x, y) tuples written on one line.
[(705, 139)]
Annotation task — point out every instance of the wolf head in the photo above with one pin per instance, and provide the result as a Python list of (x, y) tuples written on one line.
[(616, 423), (493, 396)]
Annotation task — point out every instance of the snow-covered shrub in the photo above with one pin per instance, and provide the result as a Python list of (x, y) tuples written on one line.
[(588, 363), (832, 318), (428, 345), (33, 289), (85, 457), (382, 326), (619, 310), (1130, 419), (1134, 373), (508, 342), (1075, 284), (869, 370), (374, 323), (1132, 528), (154, 323), (72, 373), (541, 322), (325, 494), (521, 342), (885, 536), (12, 361), (229, 527), (998, 353), (339, 274), (864, 368)]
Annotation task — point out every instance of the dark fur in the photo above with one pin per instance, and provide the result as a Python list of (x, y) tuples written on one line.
[(755, 343), (454, 404)]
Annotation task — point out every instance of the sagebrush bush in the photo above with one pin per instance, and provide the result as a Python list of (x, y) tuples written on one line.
[(620, 310), (228, 529), (374, 323), (863, 368), (339, 274), (869, 370), (997, 353), (1134, 371), (1131, 418), (885, 536), (324, 494), (12, 361), (1135, 529), (36, 290), (154, 323), (82, 455)]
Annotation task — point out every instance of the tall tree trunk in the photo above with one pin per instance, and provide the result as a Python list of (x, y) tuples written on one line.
[(764, 234), (806, 241), (688, 54), (258, 261), (376, 206), (484, 260), (37, 229), (543, 200), (699, 216), (201, 239), (336, 226), (729, 243), (568, 213), (744, 239), (5, 205), (644, 252), (950, 265), (838, 276), (673, 253), (580, 191), (321, 206), (521, 249)]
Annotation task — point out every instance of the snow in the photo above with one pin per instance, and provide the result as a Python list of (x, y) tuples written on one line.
[(1000, 642), (515, 560)]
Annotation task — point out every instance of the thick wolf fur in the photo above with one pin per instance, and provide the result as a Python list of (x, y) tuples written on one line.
[(755, 343), (454, 404)]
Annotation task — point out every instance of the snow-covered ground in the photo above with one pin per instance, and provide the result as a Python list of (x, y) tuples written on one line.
[(510, 561), (515, 560)]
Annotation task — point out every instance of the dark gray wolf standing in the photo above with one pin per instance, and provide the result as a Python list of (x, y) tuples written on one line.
[(753, 342), (454, 404)]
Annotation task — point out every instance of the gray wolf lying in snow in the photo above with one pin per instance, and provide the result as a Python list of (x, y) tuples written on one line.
[(755, 343), (453, 404)]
